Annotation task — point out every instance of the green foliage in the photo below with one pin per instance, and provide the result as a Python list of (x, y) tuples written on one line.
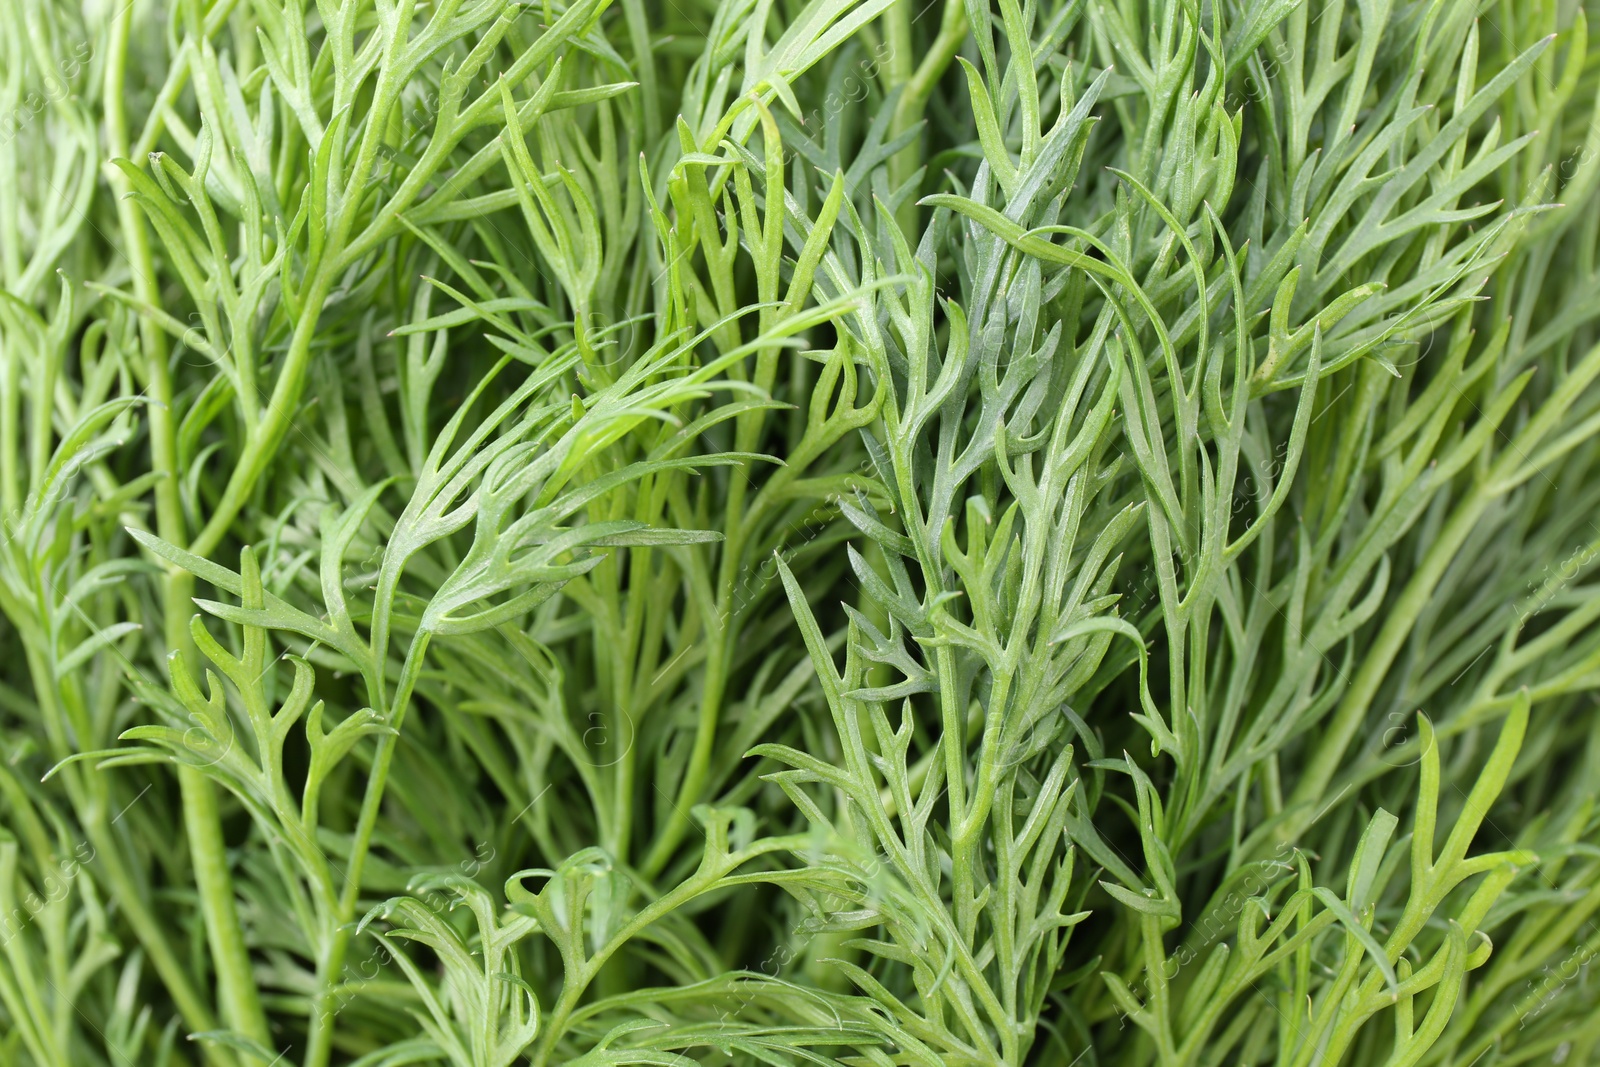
[(817, 531)]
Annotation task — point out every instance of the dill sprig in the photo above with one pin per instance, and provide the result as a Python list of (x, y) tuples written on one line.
[(831, 531)]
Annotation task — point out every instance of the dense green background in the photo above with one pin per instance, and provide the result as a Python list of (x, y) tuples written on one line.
[(799, 532)]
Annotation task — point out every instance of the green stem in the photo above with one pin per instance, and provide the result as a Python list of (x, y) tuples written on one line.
[(163, 440), (236, 987), (694, 779), (919, 86), (719, 633), (320, 1044), (240, 1003), (897, 36), (274, 424), (898, 70)]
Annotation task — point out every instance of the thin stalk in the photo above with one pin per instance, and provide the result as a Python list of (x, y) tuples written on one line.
[(273, 426), (320, 1043), (236, 985), (202, 822), (715, 685), (917, 89), (718, 662)]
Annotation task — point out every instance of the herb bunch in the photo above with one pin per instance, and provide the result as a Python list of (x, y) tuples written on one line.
[(820, 531)]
